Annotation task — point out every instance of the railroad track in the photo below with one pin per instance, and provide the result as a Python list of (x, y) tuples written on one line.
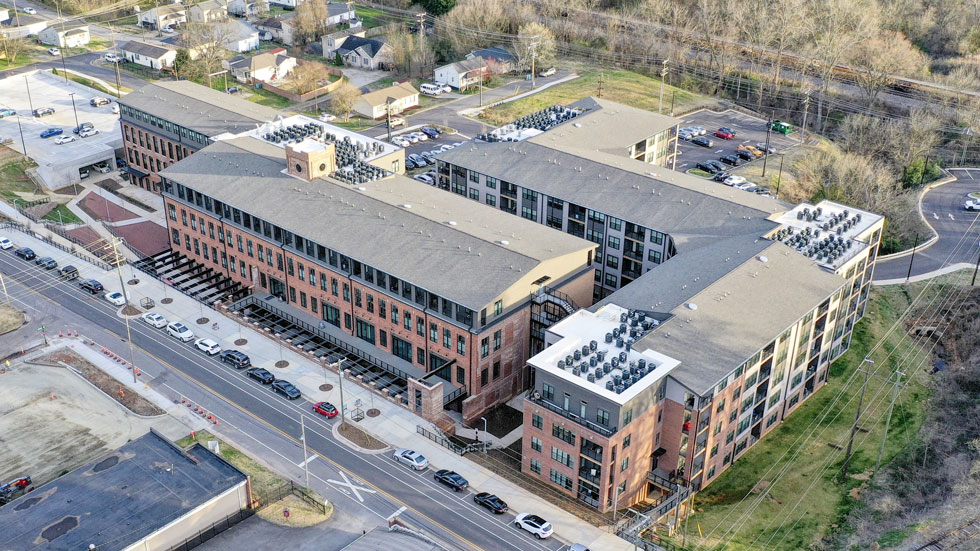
[(953, 539)]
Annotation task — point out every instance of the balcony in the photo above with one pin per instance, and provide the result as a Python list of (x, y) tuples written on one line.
[(596, 428)]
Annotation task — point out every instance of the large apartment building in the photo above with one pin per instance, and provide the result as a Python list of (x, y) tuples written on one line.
[(581, 178), (165, 121), (438, 289), (661, 386)]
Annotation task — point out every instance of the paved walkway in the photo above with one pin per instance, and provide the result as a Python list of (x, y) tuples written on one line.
[(395, 425)]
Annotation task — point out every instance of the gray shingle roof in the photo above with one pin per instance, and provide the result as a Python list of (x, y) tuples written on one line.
[(198, 108), (370, 46), (737, 314), (695, 212), (338, 8), (102, 495), (464, 261), (144, 49)]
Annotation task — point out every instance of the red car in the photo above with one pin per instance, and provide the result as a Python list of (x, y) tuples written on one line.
[(725, 133), (325, 408)]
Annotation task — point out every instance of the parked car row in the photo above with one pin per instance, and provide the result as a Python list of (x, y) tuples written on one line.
[(423, 134)]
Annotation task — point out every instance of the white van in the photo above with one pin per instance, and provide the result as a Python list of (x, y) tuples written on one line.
[(431, 89)]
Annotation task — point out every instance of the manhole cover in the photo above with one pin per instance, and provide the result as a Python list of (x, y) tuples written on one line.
[(282, 363), (373, 412), (326, 387), (133, 281), (202, 321), (167, 300), (241, 342)]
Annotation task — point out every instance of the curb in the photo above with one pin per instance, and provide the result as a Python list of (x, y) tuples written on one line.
[(335, 430), (922, 277), (935, 236), (124, 408)]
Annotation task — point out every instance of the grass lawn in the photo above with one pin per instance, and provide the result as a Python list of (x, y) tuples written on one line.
[(789, 189), (774, 525), (371, 17), (624, 87), (264, 97), (355, 123), (13, 180), (699, 172), (265, 483), (62, 213)]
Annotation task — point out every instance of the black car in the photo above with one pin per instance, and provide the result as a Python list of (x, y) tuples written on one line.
[(286, 388), (762, 190), (720, 176), (709, 168), (493, 503), (25, 253), (730, 160), (703, 142), (746, 155), (46, 262), (431, 132), (91, 286), (43, 111), (236, 359), (717, 165), (451, 479), (68, 272), (261, 375), (410, 164), (83, 127)]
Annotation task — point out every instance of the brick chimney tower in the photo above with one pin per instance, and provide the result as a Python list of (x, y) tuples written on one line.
[(310, 159)]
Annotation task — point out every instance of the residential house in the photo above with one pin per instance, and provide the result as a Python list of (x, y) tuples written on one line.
[(267, 66), (169, 15), (498, 59), (23, 26), (278, 28), (4, 14), (331, 42), (462, 74), (243, 37), (366, 53), (373, 105), (208, 11), (148, 55), (340, 12), (242, 8), (65, 36)]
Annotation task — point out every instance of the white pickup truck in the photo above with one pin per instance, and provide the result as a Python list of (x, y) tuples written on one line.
[(972, 204)]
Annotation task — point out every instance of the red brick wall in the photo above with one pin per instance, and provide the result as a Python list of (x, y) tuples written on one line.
[(148, 156)]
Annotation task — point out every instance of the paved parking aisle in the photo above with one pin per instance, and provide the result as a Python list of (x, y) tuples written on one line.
[(748, 130)]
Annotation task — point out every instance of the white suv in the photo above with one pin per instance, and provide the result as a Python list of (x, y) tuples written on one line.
[(180, 331)]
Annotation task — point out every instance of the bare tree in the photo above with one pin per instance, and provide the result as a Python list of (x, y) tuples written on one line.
[(343, 98), (262, 8), (12, 47), (205, 43), (310, 75), (880, 59), (535, 41), (423, 56), (473, 23), (310, 21)]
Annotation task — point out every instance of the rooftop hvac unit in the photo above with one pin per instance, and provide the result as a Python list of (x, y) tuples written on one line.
[(610, 385), (641, 363), (601, 355), (614, 362), (593, 345), (586, 350), (584, 368), (575, 371), (609, 338), (622, 357), (561, 364), (619, 389), (617, 378), (593, 361), (578, 355), (591, 378), (619, 342)]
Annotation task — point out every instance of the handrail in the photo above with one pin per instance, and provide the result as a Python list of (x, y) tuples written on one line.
[(569, 415)]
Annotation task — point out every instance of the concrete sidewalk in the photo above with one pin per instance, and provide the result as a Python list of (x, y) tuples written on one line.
[(394, 425)]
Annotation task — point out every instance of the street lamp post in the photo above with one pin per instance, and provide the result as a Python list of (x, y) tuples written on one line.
[(485, 436), (72, 95), (22, 142), (30, 103), (340, 378)]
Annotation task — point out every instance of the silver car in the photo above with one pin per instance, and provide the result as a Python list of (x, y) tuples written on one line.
[(411, 458)]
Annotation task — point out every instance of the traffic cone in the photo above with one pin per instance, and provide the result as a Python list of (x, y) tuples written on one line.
[(182, 401), (61, 333), (76, 332), (137, 372)]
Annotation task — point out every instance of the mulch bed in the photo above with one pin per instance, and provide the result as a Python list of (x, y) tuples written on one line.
[(361, 438), (241, 342), (128, 398), (281, 364), (501, 420), (326, 387)]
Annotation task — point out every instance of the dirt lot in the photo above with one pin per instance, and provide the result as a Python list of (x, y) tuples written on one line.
[(10, 318), (51, 422), (133, 402)]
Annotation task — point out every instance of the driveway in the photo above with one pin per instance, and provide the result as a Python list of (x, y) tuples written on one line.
[(362, 77), (957, 228)]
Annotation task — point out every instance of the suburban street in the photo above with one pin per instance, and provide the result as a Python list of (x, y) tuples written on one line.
[(367, 487), (958, 230)]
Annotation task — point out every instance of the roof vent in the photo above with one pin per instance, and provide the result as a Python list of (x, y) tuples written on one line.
[(451, 222), (577, 125), (504, 242), (763, 258), (406, 206), (692, 306), (361, 188)]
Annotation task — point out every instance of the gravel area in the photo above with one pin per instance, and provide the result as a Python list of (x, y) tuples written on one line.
[(131, 400)]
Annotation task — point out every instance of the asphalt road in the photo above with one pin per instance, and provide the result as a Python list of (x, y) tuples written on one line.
[(373, 483), (86, 63), (958, 230)]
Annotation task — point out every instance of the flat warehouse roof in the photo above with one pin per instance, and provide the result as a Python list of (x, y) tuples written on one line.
[(612, 127), (447, 244), (197, 107), (117, 500)]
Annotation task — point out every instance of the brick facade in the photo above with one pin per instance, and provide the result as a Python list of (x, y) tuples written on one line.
[(150, 152)]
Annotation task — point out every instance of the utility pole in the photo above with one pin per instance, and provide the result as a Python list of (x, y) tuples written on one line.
[(914, 245), (340, 377), (72, 96), (30, 103), (483, 72), (975, 268), (16, 13), (765, 159), (129, 335), (857, 417), (663, 75), (22, 142), (421, 17), (888, 419), (533, 46), (112, 38), (388, 117), (673, 94), (806, 109), (601, 73), (780, 176), (306, 459)]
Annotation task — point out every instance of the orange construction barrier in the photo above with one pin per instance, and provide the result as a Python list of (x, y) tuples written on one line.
[(137, 372)]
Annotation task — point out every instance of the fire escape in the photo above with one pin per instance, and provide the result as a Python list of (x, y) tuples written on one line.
[(548, 307)]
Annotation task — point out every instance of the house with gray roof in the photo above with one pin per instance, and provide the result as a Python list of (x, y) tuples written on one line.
[(148, 55), (65, 36), (462, 75), (361, 52)]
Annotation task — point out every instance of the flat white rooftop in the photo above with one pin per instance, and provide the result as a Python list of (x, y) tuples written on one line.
[(594, 351), (826, 232)]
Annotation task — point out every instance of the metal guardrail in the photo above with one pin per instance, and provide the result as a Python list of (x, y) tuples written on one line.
[(569, 415), (438, 438), (20, 227), (213, 530), (249, 301)]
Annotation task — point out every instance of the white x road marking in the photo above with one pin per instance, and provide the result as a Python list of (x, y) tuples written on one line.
[(354, 488)]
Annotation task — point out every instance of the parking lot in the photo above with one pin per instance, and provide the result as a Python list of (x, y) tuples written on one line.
[(430, 144), (58, 165), (748, 130)]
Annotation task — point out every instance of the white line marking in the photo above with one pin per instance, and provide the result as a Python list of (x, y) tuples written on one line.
[(353, 487), (308, 460)]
